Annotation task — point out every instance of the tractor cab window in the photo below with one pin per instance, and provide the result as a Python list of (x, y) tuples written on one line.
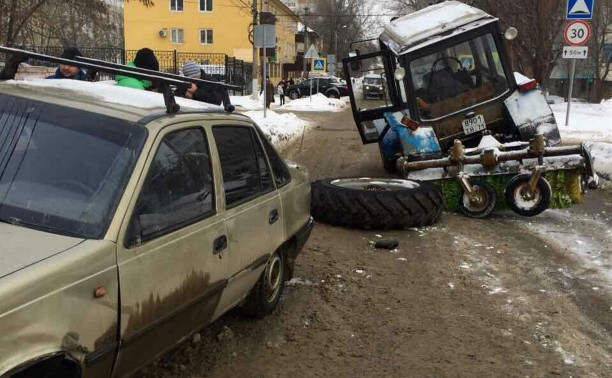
[(458, 77)]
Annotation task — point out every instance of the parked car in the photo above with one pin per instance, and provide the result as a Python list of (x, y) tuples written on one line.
[(125, 229), (330, 87)]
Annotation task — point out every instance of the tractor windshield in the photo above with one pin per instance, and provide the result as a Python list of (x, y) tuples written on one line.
[(458, 77)]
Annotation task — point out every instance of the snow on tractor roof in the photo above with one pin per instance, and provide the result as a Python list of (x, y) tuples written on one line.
[(104, 92), (416, 28)]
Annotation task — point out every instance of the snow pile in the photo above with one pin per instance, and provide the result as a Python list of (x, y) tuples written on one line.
[(521, 79), (316, 103), (246, 103), (279, 128), (589, 123), (602, 158), (105, 92)]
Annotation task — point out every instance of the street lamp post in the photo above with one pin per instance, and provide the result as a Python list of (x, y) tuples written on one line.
[(336, 47)]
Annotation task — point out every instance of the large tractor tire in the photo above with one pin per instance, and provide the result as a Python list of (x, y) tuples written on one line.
[(376, 203)]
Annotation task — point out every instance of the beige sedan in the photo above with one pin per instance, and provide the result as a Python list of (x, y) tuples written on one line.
[(124, 229)]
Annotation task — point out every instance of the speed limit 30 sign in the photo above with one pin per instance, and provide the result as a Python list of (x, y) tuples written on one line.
[(577, 33)]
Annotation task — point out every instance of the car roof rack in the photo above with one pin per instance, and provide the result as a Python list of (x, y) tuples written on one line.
[(161, 80)]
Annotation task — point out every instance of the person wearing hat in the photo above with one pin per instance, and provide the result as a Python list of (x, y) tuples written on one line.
[(145, 58), (210, 95), (69, 72)]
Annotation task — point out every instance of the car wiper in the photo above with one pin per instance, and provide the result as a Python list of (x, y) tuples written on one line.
[(21, 223)]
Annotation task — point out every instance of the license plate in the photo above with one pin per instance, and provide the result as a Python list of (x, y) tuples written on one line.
[(474, 125)]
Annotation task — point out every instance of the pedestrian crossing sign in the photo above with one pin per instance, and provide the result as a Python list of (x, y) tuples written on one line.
[(319, 65), (580, 9)]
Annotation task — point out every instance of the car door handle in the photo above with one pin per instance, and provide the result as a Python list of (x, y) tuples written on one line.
[(273, 217), (220, 244)]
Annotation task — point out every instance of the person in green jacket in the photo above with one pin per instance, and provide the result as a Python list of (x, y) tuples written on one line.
[(145, 58)]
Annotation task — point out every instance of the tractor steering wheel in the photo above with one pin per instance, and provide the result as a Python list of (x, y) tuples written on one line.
[(434, 72)]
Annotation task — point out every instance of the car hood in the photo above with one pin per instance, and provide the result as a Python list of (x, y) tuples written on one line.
[(21, 247)]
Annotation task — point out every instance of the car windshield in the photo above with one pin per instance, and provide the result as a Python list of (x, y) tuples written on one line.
[(63, 170), (458, 77), (372, 81)]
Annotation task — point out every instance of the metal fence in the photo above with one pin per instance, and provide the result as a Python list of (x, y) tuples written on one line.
[(218, 67)]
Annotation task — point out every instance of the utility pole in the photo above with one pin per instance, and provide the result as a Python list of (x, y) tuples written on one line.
[(306, 46), (254, 70)]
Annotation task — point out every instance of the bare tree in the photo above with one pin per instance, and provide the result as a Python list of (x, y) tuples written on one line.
[(599, 61), (540, 23), (69, 21), (339, 22)]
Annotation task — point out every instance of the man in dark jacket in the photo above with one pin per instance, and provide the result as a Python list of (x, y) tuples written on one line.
[(69, 72), (210, 95)]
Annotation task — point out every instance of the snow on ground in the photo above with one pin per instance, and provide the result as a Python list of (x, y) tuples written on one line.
[(316, 103), (319, 103), (591, 123), (280, 128)]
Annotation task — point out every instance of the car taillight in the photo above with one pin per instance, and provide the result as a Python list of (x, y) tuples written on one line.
[(346, 87), (529, 86), (410, 123)]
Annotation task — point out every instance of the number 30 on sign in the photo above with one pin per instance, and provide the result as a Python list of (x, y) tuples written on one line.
[(577, 33)]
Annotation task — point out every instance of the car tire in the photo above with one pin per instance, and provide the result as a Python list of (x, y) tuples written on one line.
[(528, 208), (376, 203), (264, 296), (332, 94), (294, 95)]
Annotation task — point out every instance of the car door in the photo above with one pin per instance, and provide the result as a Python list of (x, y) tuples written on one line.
[(252, 208), (171, 265)]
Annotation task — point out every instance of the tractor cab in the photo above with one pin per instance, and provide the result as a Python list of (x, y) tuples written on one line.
[(445, 67), (440, 98)]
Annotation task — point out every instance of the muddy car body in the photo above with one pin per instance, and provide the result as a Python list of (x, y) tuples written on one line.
[(124, 229)]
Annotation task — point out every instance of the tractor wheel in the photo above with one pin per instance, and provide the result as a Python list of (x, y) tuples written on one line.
[(482, 201), (376, 203), (522, 201)]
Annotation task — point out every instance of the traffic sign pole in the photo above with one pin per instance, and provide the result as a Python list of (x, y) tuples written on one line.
[(571, 89), (576, 34)]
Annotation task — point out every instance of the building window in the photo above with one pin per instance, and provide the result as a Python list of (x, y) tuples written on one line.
[(206, 36), (206, 5), (176, 5), (176, 36)]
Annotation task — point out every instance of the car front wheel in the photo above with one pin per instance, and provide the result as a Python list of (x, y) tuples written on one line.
[(266, 293), (294, 95), (333, 94)]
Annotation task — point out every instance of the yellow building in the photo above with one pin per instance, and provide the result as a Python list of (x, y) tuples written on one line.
[(206, 26)]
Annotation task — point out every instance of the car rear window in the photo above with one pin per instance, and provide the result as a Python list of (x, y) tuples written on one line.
[(63, 170)]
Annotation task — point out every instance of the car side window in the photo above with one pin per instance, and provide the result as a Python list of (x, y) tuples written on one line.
[(246, 174), (178, 190), (282, 176)]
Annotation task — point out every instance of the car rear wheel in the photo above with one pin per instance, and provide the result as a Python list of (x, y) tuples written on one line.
[(266, 293), (294, 95), (333, 94), (376, 203)]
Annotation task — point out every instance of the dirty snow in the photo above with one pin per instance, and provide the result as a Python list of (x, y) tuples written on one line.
[(590, 123), (315, 103), (280, 128)]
